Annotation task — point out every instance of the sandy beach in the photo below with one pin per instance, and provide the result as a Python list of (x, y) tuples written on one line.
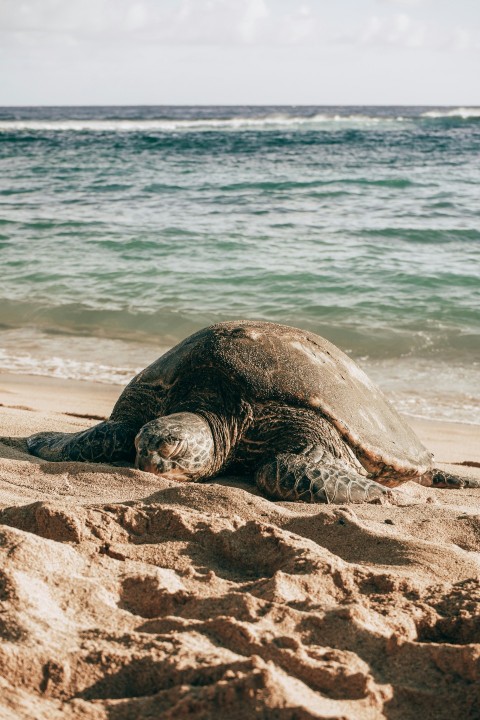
[(126, 596)]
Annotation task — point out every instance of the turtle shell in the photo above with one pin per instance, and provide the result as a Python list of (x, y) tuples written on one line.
[(270, 362)]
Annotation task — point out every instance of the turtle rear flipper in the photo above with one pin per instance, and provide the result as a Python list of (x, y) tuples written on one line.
[(105, 442), (440, 479), (298, 477)]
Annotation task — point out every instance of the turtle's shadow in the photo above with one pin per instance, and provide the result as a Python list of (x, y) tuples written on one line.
[(11, 447)]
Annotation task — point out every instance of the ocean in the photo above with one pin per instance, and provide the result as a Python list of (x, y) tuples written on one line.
[(124, 229)]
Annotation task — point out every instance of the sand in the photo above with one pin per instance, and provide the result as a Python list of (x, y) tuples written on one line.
[(128, 596)]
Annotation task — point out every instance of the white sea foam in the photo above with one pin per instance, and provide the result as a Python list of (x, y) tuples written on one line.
[(31, 352), (199, 124), (65, 368), (461, 112)]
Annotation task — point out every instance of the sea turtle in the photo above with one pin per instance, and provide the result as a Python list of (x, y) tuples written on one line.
[(281, 403)]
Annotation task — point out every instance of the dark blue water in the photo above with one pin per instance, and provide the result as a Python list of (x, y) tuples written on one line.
[(124, 229)]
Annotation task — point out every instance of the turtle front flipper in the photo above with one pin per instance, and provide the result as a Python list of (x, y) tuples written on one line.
[(297, 477), (437, 478), (105, 442)]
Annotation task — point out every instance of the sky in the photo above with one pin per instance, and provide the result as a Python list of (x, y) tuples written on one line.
[(240, 52)]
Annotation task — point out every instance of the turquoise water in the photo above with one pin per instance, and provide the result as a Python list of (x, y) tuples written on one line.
[(122, 230)]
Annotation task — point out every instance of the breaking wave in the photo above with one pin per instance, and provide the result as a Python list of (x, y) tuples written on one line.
[(461, 112), (232, 121), (167, 125)]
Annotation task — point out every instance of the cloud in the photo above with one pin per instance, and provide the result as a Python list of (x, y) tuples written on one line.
[(135, 24), (402, 31), (180, 22), (398, 30), (400, 2), (461, 39), (256, 13), (137, 16)]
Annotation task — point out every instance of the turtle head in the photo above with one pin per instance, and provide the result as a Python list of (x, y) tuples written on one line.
[(178, 446)]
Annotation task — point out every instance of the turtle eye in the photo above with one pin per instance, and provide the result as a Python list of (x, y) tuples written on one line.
[(172, 448)]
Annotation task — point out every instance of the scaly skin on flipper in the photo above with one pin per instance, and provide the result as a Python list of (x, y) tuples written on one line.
[(440, 479), (105, 442), (298, 477), (109, 441)]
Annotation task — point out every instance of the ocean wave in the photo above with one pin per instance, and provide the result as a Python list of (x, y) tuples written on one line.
[(267, 185), (349, 328), (200, 124), (426, 236), (461, 112), (168, 120), (65, 368), (30, 351)]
